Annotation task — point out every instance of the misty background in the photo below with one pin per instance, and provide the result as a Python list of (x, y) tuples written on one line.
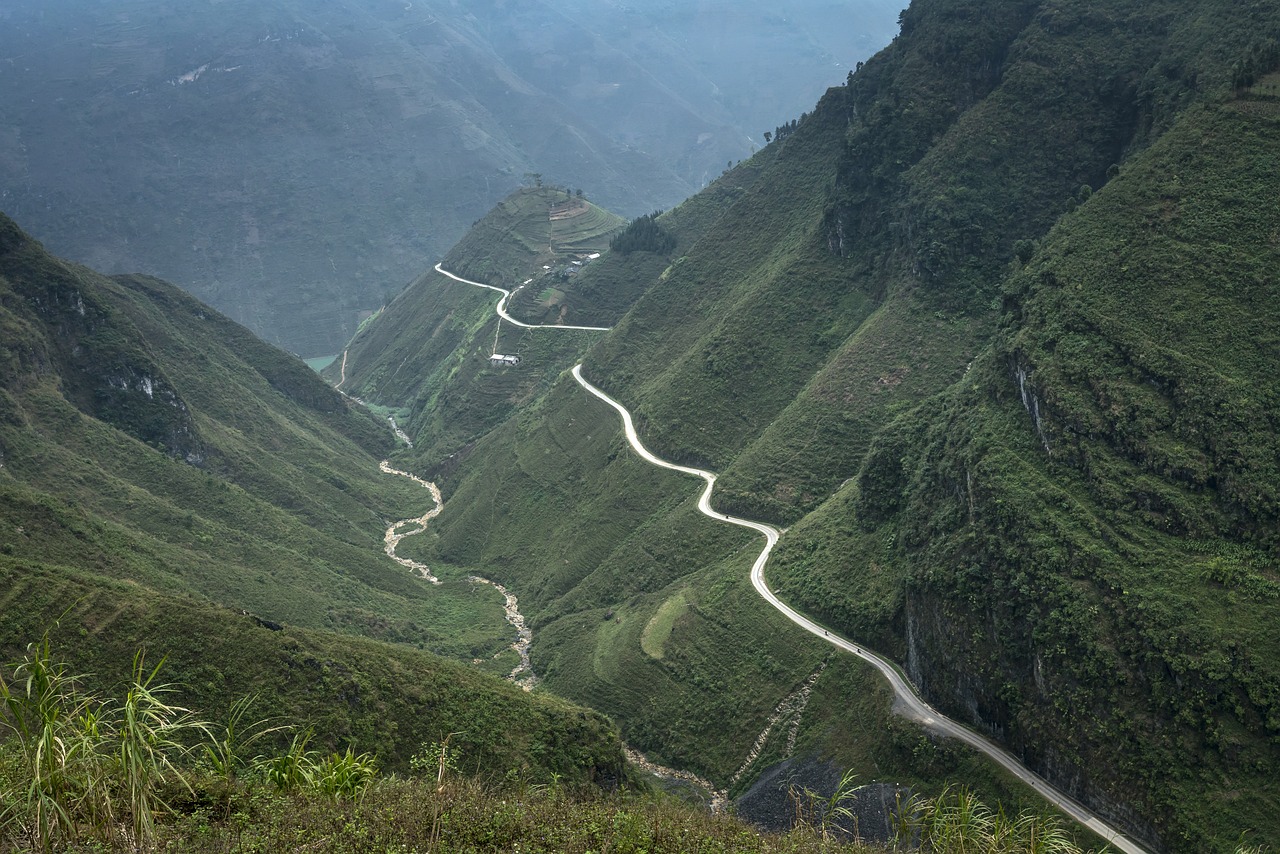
[(295, 162)]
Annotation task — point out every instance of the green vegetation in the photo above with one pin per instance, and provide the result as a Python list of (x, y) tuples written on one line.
[(202, 148), (77, 766), (140, 773), (992, 330), (372, 696), (1122, 433), (152, 440), (170, 482), (439, 374), (658, 630), (530, 227), (643, 234)]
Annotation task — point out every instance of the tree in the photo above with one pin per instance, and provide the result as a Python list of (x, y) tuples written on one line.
[(643, 234)]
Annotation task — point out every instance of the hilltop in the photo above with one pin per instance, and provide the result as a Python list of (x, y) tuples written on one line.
[(536, 242)]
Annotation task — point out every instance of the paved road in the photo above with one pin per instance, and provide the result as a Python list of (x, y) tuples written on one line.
[(502, 307), (907, 702)]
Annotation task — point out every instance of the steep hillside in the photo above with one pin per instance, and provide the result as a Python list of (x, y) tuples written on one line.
[(388, 699), (848, 335), (1087, 525), (427, 355), (145, 437)]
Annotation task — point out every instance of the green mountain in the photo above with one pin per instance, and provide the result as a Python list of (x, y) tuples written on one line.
[(993, 331), (168, 481)]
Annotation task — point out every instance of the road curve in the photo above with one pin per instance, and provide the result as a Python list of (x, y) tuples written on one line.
[(907, 702), (502, 306)]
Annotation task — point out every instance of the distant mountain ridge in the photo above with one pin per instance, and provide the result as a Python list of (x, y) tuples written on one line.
[(296, 163)]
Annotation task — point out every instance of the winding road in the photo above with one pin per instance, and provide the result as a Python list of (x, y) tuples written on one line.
[(907, 702), (502, 307)]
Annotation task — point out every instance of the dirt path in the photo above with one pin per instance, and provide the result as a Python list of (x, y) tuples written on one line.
[(792, 706), (411, 527)]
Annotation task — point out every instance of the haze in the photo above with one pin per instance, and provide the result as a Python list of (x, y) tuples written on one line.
[(294, 163)]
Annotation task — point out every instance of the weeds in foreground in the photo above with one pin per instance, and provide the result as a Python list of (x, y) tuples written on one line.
[(824, 816), (957, 821), (224, 753), (80, 768), (88, 767)]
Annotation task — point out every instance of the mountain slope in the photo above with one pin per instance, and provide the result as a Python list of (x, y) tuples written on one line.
[(146, 437), (1100, 495), (170, 482), (844, 339)]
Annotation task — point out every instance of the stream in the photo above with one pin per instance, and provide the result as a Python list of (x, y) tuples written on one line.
[(523, 674)]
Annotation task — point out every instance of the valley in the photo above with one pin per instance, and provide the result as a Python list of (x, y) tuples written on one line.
[(294, 163), (976, 364), (907, 700), (829, 327)]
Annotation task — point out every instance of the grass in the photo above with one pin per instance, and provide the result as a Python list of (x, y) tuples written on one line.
[(839, 331), (513, 240), (658, 630), (1127, 563), (375, 697), (71, 752), (245, 545), (1043, 483)]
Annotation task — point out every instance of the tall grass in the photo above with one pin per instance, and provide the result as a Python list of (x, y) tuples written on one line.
[(49, 722), (149, 735), (957, 822), (88, 767), (224, 754), (80, 768)]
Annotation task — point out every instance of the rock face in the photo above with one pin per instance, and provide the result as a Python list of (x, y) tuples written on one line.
[(93, 348), (802, 786), (941, 650)]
